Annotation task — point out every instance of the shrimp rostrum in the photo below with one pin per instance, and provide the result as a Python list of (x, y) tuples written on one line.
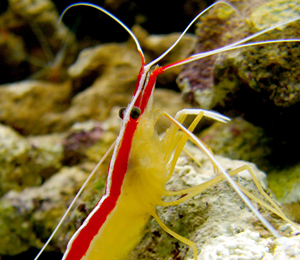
[(142, 163)]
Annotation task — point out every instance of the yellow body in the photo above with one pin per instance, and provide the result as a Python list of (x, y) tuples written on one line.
[(142, 189)]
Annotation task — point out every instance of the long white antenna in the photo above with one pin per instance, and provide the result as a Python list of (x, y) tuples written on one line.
[(186, 29), (110, 15)]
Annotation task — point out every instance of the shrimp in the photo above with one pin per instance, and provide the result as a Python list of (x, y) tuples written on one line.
[(142, 163)]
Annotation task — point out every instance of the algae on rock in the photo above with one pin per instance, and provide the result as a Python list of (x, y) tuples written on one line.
[(24, 163), (30, 215), (31, 106), (238, 139), (267, 69), (285, 184)]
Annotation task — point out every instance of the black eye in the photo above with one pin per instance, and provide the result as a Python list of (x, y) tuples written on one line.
[(135, 113), (121, 112)]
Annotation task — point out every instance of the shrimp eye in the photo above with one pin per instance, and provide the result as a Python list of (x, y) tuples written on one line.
[(135, 113), (121, 112)]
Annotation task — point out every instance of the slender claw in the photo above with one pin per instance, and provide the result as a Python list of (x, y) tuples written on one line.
[(216, 116), (210, 114)]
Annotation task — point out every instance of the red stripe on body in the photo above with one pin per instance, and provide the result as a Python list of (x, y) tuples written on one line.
[(149, 88), (82, 241)]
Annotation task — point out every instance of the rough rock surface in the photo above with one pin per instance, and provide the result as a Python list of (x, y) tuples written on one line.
[(26, 163), (31, 106), (216, 212), (238, 139), (250, 245), (32, 214), (269, 70)]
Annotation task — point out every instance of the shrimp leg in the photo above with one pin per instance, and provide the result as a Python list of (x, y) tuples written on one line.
[(191, 192), (177, 236), (210, 155)]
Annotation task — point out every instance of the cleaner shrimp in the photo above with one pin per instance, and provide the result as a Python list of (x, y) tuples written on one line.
[(142, 163)]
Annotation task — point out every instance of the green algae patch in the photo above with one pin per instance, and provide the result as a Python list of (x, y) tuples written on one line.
[(100, 184), (16, 234), (273, 12), (26, 162), (29, 216), (224, 12), (285, 184)]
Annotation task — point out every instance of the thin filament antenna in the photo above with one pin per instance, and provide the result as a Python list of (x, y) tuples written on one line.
[(186, 29), (138, 46), (75, 199)]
